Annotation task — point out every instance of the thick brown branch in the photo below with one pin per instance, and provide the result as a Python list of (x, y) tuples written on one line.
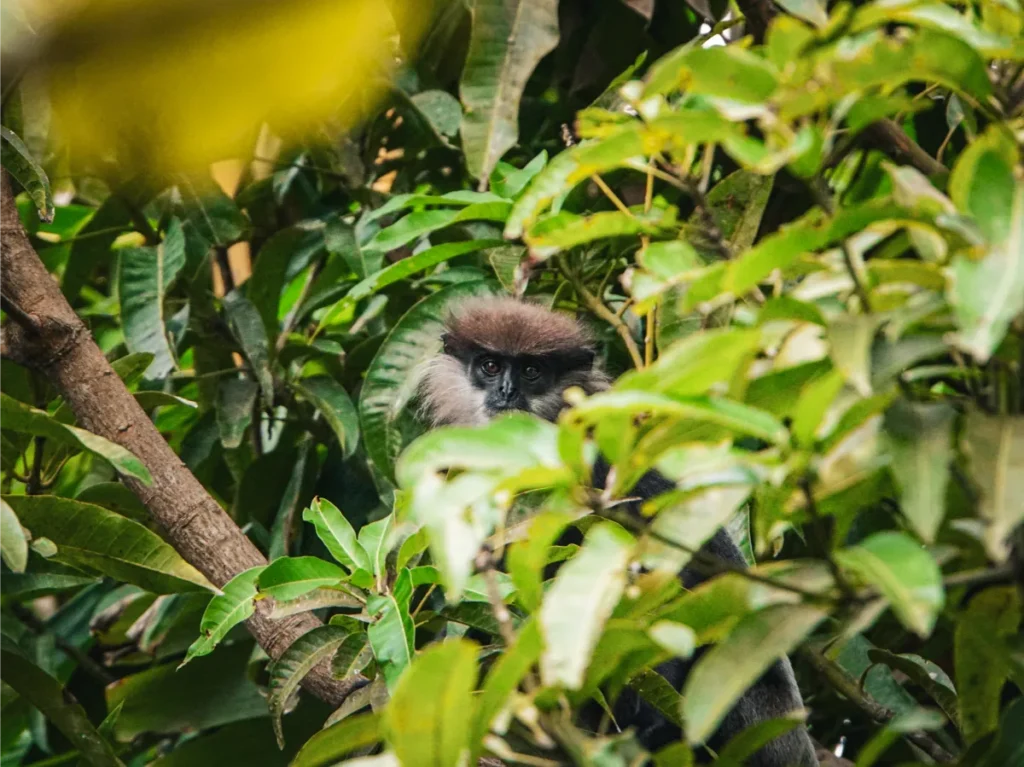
[(57, 344)]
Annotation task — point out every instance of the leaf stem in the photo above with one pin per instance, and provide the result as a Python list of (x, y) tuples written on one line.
[(595, 305), (847, 686), (611, 195)]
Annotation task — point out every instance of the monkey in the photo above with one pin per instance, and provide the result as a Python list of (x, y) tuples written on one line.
[(505, 354)]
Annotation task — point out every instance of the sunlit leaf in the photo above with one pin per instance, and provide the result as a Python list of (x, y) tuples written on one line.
[(722, 675), (429, 717), (337, 534), (904, 572), (528, 557), (579, 602), (392, 634), (335, 742)]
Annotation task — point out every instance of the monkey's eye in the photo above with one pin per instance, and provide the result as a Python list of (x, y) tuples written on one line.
[(531, 372), (490, 367)]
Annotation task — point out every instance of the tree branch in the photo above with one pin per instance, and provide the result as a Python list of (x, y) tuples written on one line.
[(58, 345), (845, 684)]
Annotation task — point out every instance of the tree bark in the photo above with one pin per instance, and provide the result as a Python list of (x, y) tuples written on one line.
[(44, 333)]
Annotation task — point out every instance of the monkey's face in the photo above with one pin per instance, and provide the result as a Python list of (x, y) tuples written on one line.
[(532, 383)]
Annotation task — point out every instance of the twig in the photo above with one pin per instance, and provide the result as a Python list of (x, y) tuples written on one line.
[(34, 486), (611, 195), (708, 564), (858, 285), (894, 141), (845, 684), (646, 241), (595, 305), (485, 564), (89, 666), (983, 576)]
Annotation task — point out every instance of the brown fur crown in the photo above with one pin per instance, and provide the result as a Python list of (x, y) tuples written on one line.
[(511, 326)]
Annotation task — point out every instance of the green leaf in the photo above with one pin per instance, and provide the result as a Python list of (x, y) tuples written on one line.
[(728, 72), (563, 231), (921, 447), (730, 667), (235, 400), (391, 379), (927, 675), (738, 751), (335, 742), (987, 288), (808, 10), (695, 364), (145, 277), (429, 717), (58, 706), (580, 600), (851, 337), (528, 556), (297, 244), (248, 328), (503, 679), (442, 110), (93, 538), (508, 181), (19, 162), (904, 572), (235, 603), (294, 663), (317, 599), (333, 402), (737, 205), (392, 634), (353, 655), (19, 417), (742, 419), (507, 41), (290, 577), (13, 543), (337, 534), (995, 445), (400, 271), (979, 653), (660, 694), (376, 539)]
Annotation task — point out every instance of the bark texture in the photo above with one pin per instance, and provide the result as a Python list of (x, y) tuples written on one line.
[(44, 333)]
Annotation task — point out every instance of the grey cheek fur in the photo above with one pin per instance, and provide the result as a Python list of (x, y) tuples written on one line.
[(448, 396)]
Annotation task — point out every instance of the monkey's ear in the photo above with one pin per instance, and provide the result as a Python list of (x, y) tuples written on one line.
[(450, 344)]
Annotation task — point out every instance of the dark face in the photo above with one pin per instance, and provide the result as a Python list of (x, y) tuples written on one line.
[(533, 383)]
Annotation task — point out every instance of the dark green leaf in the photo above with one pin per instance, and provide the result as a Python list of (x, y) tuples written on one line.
[(333, 402), (392, 634), (290, 577), (226, 610), (19, 162)]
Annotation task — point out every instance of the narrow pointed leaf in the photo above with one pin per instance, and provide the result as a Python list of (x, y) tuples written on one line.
[(19, 417), (507, 41), (146, 275), (428, 718), (392, 634), (332, 744), (226, 610), (337, 534), (333, 402), (400, 271), (58, 706), (298, 660), (996, 449), (353, 655), (96, 539), (19, 162), (291, 577), (248, 328)]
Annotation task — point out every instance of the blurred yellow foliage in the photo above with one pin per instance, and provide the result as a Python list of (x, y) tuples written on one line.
[(172, 85)]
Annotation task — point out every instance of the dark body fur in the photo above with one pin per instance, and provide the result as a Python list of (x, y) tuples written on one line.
[(458, 389)]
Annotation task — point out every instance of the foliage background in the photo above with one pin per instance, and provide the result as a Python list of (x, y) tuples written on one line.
[(805, 250)]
